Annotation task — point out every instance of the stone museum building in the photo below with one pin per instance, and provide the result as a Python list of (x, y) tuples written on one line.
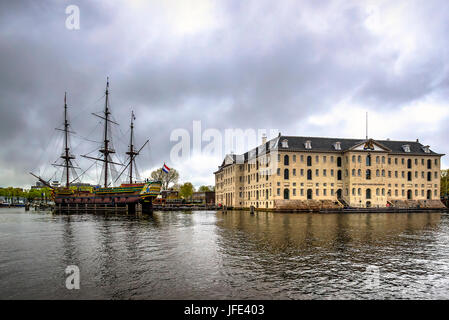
[(299, 171)]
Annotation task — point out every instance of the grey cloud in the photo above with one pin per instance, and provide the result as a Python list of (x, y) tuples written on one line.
[(264, 65)]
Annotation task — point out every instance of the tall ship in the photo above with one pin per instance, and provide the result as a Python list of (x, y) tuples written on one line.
[(130, 196)]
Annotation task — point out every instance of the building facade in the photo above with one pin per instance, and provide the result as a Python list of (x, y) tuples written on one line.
[(355, 172)]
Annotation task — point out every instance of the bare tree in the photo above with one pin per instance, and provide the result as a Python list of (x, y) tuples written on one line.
[(166, 178)]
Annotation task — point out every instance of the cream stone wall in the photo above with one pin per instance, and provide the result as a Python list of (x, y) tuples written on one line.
[(259, 183)]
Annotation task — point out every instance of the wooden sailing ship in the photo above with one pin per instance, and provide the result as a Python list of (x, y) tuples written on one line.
[(128, 196)]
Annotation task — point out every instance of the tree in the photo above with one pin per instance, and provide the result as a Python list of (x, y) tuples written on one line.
[(186, 190), (444, 182), (206, 188), (166, 178)]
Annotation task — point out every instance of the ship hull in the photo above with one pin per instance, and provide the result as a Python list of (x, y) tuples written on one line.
[(127, 196)]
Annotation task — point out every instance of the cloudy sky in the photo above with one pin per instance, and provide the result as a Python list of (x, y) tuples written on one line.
[(303, 67)]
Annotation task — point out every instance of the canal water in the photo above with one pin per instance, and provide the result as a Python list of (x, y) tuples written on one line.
[(216, 255)]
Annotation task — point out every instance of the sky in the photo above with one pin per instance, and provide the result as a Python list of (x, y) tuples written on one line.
[(306, 68)]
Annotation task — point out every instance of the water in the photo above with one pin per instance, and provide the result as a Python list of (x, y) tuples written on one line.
[(214, 255)]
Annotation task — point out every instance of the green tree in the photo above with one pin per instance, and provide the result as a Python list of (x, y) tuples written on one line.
[(167, 178), (186, 191), (444, 182), (206, 188)]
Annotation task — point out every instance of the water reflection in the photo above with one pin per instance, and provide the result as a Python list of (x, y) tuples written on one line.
[(216, 255)]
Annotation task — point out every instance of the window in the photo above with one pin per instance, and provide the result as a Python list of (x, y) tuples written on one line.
[(429, 164), (286, 194), (286, 174), (286, 160), (324, 172), (377, 173), (409, 163), (353, 191), (308, 144), (406, 148), (353, 159), (294, 172), (317, 159), (302, 172), (278, 191), (378, 160), (294, 192), (284, 143), (309, 161), (368, 160), (368, 174), (409, 176), (368, 193), (317, 172), (339, 175), (359, 159), (309, 174), (294, 158), (359, 172), (339, 162), (309, 194), (353, 172), (279, 171), (337, 145)]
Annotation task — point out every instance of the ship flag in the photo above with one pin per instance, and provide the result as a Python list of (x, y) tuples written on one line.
[(165, 168)]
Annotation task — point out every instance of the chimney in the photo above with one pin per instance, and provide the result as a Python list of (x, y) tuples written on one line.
[(417, 140), (264, 138)]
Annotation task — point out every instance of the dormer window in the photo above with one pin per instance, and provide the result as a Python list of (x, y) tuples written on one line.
[(337, 145), (426, 149), (284, 143), (308, 144), (406, 148)]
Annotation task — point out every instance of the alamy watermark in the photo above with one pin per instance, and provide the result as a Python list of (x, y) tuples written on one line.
[(73, 279), (72, 21), (212, 142)]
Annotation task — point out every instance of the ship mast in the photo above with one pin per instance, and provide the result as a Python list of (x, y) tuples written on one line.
[(132, 154), (66, 155), (106, 149)]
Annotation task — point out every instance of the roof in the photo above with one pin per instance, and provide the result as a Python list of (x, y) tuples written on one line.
[(322, 144)]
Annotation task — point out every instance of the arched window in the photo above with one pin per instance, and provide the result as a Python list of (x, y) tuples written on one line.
[(429, 195), (339, 175), (286, 194), (286, 174), (339, 162), (377, 192), (377, 173), (359, 172), (409, 195), (309, 194), (286, 160), (353, 172), (368, 160), (377, 159), (429, 176), (353, 158), (359, 159), (429, 164), (409, 163), (368, 174), (309, 174), (368, 193), (409, 176), (309, 161)]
